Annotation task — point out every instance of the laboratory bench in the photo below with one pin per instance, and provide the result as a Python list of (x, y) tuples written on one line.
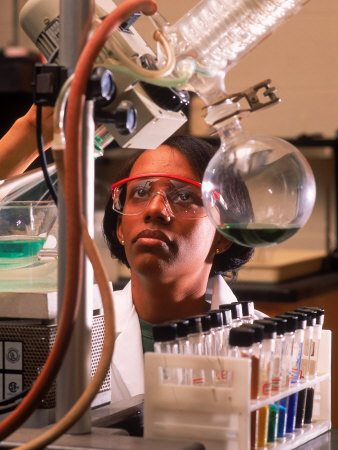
[(326, 441), (109, 431), (105, 438)]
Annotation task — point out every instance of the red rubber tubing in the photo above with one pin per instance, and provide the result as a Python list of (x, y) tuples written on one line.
[(73, 200)]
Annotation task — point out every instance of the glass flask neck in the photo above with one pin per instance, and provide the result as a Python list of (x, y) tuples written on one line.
[(230, 133), (210, 88)]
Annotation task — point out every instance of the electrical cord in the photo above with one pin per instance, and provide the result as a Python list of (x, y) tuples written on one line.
[(12, 402), (14, 398), (8, 409), (39, 140)]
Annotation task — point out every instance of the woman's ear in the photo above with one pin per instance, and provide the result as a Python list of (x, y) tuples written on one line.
[(221, 243), (119, 233)]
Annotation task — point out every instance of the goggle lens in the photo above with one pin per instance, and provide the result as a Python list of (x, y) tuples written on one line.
[(184, 198)]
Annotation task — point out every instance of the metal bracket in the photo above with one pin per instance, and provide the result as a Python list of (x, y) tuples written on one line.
[(251, 96)]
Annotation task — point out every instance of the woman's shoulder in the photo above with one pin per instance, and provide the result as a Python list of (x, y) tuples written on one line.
[(123, 304), (121, 297)]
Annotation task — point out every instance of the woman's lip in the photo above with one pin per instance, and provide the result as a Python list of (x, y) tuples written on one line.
[(143, 241), (152, 236)]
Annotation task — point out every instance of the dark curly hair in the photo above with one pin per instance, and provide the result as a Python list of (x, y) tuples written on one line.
[(198, 152)]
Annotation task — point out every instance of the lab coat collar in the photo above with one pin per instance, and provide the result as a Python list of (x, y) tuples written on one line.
[(221, 293)]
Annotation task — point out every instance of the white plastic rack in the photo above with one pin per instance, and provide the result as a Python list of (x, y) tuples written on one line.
[(218, 414)]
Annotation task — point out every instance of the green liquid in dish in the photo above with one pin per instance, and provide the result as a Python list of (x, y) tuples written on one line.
[(14, 247)]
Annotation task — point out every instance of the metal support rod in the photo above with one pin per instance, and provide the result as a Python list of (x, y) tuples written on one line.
[(75, 372)]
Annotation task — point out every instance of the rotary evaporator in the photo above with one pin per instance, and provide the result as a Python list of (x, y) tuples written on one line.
[(118, 88)]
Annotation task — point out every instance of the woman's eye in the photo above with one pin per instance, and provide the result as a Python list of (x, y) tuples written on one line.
[(185, 196), (182, 196), (139, 191)]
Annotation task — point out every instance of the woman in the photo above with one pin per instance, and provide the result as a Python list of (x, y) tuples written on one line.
[(171, 253), (157, 226)]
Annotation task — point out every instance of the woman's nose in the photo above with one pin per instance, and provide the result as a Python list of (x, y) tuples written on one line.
[(159, 206)]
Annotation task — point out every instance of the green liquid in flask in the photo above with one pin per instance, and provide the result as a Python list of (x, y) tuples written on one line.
[(14, 247), (256, 235)]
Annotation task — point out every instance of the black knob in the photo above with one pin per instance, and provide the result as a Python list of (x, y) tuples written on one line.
[(125, 118), (101, 86)]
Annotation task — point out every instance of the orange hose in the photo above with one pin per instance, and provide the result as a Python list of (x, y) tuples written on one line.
[(73, 199)]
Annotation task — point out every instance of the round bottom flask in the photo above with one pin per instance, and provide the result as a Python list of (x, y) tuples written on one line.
[(258, 190)]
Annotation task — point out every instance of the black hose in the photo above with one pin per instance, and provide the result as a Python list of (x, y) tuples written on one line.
[(39, 140)]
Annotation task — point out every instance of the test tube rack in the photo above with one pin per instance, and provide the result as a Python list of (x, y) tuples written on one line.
[(218, 414)]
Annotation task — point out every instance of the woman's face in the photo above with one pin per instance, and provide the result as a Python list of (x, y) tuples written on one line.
[(158, 244)]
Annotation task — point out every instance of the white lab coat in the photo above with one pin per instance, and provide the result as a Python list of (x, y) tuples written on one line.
[(127, 367)]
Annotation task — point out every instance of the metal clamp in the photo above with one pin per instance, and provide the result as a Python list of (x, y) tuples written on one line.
[(251, 96)]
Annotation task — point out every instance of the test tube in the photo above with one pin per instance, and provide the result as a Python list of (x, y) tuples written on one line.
[(256, 354), (184, 375), (272, 423), (265, 376), (277, 369), (248, 309), (165, 338), (256, 350), (277, 375), (266, 360), (217, 332), (182, 339), (317, 332), (165, 342), (194, 335), (305, 364), (262, 429), (320, 313), (289, 336), (258, 337), (237, 314), (196, 342), (300, 342), (206, 335), (240, 342), (313, 361), (295, 374), (227, 324), (310, 316), (301, 395)]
